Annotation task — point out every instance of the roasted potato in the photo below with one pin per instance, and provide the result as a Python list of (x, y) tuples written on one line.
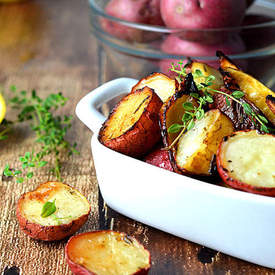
[(197, 147), (172, 110), (132, 128), (106, 253), (245, 161), (254, 90), (162, 85), (72, 210), (270, 101), (159, 158), (207, 71)]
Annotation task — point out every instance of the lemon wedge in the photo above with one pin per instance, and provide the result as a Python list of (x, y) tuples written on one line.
[(2, 108)]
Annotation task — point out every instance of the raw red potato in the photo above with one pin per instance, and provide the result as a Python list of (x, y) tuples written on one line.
[(159, 158), (245, 161), (202, 14), (174, 45), (132, 128), (107, 253), (72, 210), (140, 11)]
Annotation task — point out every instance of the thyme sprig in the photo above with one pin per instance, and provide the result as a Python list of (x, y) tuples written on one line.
[(207, 98), (50, 131)]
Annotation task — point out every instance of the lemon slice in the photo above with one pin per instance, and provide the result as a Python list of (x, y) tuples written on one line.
[(2, 108)]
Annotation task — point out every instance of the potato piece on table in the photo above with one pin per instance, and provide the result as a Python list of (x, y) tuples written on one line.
[(162, 85), (246, 161), (197, 147), (132, 128), (107, 253), (70, 210)]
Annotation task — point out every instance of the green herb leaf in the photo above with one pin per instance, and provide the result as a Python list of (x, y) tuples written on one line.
[(264, 128), (195, 95), (190, 125), (227, 101), (186, 117), (200, 114), (247, 108), (48, 209), (174, 128), (263, 119), (238, 94), (188, 106)]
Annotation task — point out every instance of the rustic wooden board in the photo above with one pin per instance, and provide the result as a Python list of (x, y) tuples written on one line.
[(47, 45)]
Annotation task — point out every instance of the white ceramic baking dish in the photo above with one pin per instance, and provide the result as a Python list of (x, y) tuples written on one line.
[(233, 222)]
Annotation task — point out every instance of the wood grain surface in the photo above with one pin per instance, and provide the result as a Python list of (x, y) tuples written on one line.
[(47, 46)]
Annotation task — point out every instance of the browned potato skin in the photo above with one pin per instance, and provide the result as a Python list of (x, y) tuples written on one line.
[(81, 270), (270, 101), (143, 135), (235, 183), (152, 76), (225, 61), (47, 233)]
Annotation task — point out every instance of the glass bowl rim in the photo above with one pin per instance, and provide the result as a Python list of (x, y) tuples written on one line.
[(162, 29)]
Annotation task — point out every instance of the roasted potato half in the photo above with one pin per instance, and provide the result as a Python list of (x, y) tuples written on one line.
[(197, 147), (162, 85), (225, 61), (132, 128), (254, 91), (206, 71), (107, 253), (246, 160), (72, 210)]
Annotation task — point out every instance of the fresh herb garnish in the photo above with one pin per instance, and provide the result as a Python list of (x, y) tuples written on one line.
[(48, 209), (50, 130), (198, 112)]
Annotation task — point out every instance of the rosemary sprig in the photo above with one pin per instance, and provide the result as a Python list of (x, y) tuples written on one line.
[(50, 131)]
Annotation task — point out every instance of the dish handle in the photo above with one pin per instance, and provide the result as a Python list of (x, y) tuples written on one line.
[(87, 109)]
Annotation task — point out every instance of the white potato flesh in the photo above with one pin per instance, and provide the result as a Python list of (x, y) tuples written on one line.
[(250, 158), (109, 253), (197, 147), (162, 85), (70, 204)]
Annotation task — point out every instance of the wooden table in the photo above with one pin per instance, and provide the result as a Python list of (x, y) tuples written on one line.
[(47, 46)]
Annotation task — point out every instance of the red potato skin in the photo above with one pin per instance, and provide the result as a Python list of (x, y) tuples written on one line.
[(80, 270), (142, 136), (142, 11), (175, 45), (160, 158), (236, 184), (48, 233)]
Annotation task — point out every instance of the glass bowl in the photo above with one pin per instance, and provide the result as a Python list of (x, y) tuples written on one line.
[(251, 46)]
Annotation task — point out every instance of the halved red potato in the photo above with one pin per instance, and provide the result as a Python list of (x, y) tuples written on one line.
[(132, 128), (162, 85), (246, 161), (270, 101), (72, 210), (159, 158), (197, 147), (107, 253)]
